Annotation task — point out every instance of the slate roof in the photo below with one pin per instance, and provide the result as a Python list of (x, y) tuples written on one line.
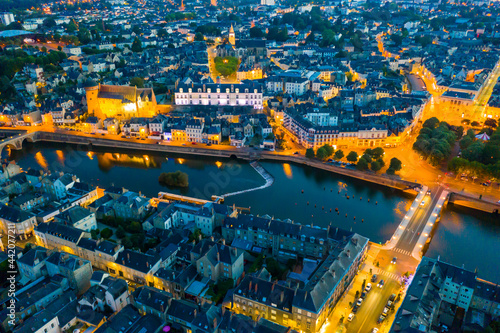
[(114, 286), (183, 310), (14, 215), (59, 230), (38, 253), (73, 215), (151, 297), (35, 322), (137, 261), (66, 260)]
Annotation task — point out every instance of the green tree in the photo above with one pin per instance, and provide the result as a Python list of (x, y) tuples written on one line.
[(321, 154), (381, 162), (395, 164), (339, 154), (490, 123), (177, 179), (137, 82), (198, 37), (94, 234), (377, 153), (106, 233), (390, 171), (329, 150), (127, 243), (352, 156), (310, 153), (375, 166), (136, 45), (120, 232), (367, 157), (134, 227), (466, 142), (362, 164), (256, 32)]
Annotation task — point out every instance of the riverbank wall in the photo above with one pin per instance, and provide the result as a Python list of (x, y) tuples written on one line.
[(463, 200), (88, 142)]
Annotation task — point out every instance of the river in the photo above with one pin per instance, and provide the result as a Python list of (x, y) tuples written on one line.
[(302, 194)]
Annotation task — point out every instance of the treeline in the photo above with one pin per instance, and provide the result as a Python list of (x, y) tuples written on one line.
[(371, 159), (479, 158), (179, 16), (12, 62), (436, 139)]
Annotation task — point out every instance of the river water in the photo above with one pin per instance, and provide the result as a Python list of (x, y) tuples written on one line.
[(302, 194)]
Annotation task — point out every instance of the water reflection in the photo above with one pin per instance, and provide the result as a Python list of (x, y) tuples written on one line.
[(42, 162), (288, 170)]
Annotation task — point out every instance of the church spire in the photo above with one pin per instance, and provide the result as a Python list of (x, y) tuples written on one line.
[(232, 36)]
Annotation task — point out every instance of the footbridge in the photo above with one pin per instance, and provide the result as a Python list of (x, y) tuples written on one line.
[(17, 140)]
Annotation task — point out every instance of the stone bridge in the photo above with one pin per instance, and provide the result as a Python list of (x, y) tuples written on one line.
[(17, 140)]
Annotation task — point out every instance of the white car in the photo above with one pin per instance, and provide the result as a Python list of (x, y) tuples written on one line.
[(422, 203), (350, 317), (368, 287), (360, 301), (374, 330)]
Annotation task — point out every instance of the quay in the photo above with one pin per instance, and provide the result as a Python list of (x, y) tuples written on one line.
[(90, 142)]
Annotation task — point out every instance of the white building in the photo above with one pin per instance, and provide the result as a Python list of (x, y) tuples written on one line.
[(6, 18), (220, 94)]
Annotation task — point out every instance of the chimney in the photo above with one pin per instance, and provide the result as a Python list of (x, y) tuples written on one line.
[(215, 322), (162, 308), (234, 251), (282, 296), (123, 261), (223, 311), (256, 285), (272, 287), (211, 238), (223, 241), (195, 313), (348, 253), (169, 302), (250, 285), (128, 256), (218, 256), (147, 264), (305, 296), (199, 237)]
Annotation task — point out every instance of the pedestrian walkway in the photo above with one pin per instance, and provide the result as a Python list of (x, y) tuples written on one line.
[(408, 253), (393, 276)]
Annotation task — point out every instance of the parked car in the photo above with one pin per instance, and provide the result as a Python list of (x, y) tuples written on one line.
[(355, 308), (380, 284), (360, 301), (374, 330), (385, 312), (422, 203), (363, 294), (368, 287), (380, 319), (350, 317), (296, 153), (374, 278), (392, 297)]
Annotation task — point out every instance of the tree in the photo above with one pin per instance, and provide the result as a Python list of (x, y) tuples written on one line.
[(375, 166), (465, 142), (367, 157), (94, 234), (321, 154), (329, 150), (127, 243), (310, 153), (256, 32), (106, 233), (352, 156), (490, 123), (390, 171), (198, 37), (177, 179), (465, 121), (381, 162), (362, 164), (339, 154), (120, 232), (395, 164), (377, 153), (474, 124), (134, 227), (136, 45), (137, 82)]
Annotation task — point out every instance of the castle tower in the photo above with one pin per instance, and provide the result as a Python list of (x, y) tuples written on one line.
[(182, 8), (92, 91), (232, 36)]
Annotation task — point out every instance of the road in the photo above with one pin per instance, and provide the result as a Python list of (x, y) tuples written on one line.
[(409, 238)]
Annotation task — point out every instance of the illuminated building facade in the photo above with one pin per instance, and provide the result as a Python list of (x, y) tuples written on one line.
[(220, 94), (120, 102)]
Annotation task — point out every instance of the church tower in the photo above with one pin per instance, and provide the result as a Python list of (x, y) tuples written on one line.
[(232, 36)]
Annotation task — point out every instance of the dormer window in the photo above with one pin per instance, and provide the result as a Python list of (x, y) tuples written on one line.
[(218, 90), (190, 90), (181, 90)]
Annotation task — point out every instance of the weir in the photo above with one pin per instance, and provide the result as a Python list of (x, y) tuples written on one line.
[(267, 177)]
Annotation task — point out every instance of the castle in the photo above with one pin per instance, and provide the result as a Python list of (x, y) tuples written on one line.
[(120, 102)]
